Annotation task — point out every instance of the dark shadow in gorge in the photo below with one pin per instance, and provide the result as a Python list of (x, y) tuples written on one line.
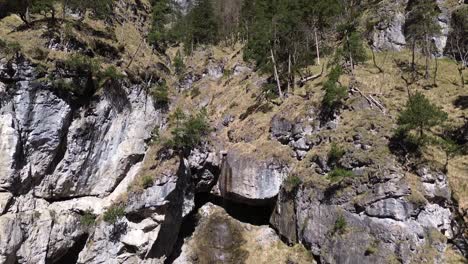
[(72, 255), (252, 214)]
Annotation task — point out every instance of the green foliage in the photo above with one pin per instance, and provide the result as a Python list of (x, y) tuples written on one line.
[(421, 22), (292, 182), (335, 153), (179, 64), (354, 48), (420, 114), (43, 7), (338, 174), (334, 93), (146, 181), (88, 218), (114, 213), (159, 34), (202, 24), (9, 48), (340, 225), (188, 131), (82, 64), (100, 8), (109, 75), (160, 94)]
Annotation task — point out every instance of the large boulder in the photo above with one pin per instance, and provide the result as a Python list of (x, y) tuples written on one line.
[(245, 178), (219, 238)]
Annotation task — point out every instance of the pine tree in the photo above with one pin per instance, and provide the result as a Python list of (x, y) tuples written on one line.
[(203, 26), (421, 27), (159, 34), (420, 115)]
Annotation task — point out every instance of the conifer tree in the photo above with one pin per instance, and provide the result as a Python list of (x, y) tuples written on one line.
[(421, 27), (420, 115)]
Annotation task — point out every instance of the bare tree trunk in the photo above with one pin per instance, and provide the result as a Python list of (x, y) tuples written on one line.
[(462, 78), (289, 74), (435, 72), (375, 62), (317, 46), (350, 54), (275, 70), (413, 55)]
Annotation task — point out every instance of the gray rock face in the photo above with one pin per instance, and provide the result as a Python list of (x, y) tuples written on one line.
[(104, 142), (388, 33), (295, 134), (246, 179), (52, 149), (356, 223)]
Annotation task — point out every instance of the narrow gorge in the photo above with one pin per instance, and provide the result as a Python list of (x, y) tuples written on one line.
[(114, 149)]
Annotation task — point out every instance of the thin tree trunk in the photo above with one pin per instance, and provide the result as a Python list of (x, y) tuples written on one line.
[(289, 74), (317, 46), (276, 74), (413, 51), (462, 78), (375, 62), (350, 54), (435, 71)]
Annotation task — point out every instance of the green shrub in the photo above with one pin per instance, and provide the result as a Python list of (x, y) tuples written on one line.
[(160, 94), (88, 218), (9, 48), (340, 225), (113, 213), (82, 64), (338, 173), (292, 182), (179, 64), (335, 153), (334, 93), (188, 131), (146, 181), (420, 115), (111, 74)]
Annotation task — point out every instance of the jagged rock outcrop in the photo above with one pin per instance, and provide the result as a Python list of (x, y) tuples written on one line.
[(355, 222), (389, 33), (68, 152)]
